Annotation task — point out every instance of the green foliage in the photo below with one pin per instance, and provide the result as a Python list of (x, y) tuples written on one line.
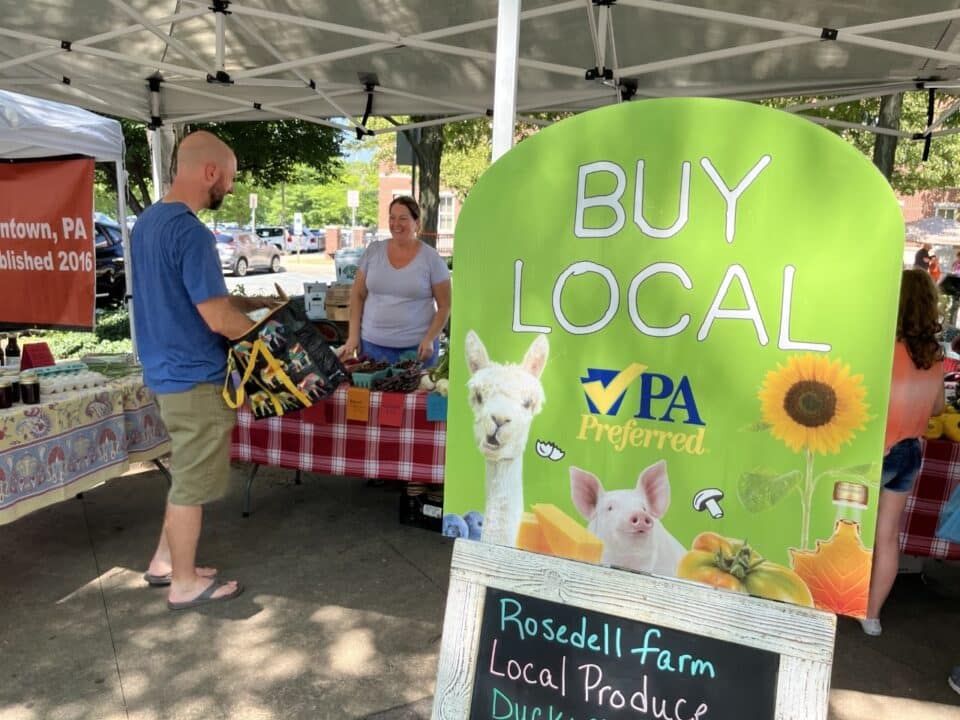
[(268, 153), (911, 173), (111, 335)]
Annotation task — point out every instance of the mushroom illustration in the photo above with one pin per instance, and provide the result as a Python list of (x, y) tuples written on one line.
[(708, 500)]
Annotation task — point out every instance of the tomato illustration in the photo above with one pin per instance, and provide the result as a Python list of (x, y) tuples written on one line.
[(734, 565)]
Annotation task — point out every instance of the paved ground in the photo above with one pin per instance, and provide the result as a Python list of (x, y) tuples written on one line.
[(310, 267), (341, 618)]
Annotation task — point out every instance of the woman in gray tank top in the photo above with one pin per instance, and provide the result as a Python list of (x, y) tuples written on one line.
[(400, 299)]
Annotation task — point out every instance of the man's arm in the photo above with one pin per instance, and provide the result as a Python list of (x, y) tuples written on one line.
[(222, 315)]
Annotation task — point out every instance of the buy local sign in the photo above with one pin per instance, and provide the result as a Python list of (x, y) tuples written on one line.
[(672, 347)]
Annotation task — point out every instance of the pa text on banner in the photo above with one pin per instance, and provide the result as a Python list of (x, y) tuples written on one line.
[(47, 243)]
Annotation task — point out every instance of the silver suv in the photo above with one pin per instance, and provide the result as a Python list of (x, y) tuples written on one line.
[(272, 234), (244, 251)]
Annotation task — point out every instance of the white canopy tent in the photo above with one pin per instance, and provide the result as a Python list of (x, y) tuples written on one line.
[(172, 61), (34, 128), (934, 230)]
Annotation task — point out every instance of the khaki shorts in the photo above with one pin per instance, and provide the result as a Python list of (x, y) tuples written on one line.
[(199, 423)]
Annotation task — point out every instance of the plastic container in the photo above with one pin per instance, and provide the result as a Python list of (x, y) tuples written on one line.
[(345, 261), (365, 380)]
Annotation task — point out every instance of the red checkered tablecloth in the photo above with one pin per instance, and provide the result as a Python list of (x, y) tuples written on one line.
[(939, 474), (321, 439)]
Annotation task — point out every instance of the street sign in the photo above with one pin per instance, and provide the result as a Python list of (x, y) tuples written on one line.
[(353, 199), (253, 201), (298, 223)]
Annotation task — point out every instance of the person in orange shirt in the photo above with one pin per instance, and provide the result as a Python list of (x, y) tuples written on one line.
[(916, 393), (934, 268)]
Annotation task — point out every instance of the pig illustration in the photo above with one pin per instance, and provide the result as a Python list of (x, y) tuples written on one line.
[(628, 521)]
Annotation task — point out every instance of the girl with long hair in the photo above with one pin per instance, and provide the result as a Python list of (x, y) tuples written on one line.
[(916, 394)]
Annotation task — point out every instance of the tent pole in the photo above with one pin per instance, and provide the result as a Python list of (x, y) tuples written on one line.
[(505, 78), (156, 162), (127, 264)]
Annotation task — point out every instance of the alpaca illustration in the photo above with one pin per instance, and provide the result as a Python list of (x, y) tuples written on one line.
[(312, 386), (298, 358), (260, 404), (504, 399), (272, 335)]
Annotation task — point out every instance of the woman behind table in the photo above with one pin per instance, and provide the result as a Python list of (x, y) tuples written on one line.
[(916, 393), (400, 299)]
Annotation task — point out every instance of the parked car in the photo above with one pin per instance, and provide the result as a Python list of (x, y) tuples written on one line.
[(108, 249), (245, 251), (308, 241), (273, 234)]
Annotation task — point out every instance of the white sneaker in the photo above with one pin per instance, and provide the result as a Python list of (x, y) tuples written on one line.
[(871, 626)]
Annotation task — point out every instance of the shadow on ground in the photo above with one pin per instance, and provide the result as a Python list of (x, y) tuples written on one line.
[(341, 617)]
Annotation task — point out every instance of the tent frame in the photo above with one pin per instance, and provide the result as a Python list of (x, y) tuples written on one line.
[(615, 83)]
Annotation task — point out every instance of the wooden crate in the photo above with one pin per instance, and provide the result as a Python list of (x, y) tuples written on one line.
[(337, 312), (338, 294)]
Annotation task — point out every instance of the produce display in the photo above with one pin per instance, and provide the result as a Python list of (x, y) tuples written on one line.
[(437, 380), (397, 381), (405, 376), (946, 425)]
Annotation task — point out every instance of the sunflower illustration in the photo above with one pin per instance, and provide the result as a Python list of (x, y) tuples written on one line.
[(813, 403)]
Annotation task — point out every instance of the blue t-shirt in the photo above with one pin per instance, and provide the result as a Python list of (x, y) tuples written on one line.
[(175, 267)]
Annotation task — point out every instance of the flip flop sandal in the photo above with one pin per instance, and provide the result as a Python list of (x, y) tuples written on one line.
[(205, 597), (158, 580), (163, 580)]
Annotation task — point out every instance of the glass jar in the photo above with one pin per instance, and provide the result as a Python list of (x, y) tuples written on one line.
[(6, 394), (30, 390)]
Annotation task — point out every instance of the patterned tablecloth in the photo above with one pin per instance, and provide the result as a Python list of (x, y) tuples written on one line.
[(321, 439), (939, 474), (74, 441)]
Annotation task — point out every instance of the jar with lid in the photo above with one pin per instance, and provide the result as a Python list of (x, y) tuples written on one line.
[(14, 379), (30, 388), (6, 394), (13, 350)]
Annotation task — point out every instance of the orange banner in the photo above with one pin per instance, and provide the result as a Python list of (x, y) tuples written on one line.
[(46, 243)]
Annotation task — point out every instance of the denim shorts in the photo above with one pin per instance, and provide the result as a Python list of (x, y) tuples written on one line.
[(901, 466)]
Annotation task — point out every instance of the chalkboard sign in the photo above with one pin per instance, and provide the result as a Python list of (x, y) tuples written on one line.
[(574, 663), (534, 637)]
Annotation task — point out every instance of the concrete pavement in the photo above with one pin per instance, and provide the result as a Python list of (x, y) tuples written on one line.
[(341, 617)]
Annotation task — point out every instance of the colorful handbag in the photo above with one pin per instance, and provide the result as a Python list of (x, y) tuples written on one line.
[(281, 365)]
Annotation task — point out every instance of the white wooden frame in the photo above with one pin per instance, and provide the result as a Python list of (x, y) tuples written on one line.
[(803, 638)]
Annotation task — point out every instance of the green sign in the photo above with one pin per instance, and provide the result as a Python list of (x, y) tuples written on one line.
[(671, 349)]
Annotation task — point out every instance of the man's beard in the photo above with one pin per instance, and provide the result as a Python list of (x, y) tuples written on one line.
[(216, 199)]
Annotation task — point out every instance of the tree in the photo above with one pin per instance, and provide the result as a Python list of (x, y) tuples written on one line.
[(267, 154), (910, 172)]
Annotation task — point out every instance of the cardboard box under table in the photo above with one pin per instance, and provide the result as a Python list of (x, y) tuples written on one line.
[(396, 442)]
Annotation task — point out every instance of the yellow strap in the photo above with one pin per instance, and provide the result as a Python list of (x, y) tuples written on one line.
[(285, 379), (258, 347)]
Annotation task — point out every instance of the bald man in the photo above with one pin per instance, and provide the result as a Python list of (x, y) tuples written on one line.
[(183, 316)]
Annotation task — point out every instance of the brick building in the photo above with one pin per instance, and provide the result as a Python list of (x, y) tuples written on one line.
[(944, 202), (394, 181)]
